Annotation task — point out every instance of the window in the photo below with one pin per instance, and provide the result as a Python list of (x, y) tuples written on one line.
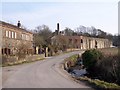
[(81, 41), (12, 34), (7, 33), (27, 37), (30, 38), (6, 51), (22, 36), (15, 35)]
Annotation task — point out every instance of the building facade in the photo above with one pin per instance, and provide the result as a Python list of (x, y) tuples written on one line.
[(14, 38), (80, 42)]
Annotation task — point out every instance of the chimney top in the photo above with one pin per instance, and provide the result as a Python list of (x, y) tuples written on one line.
[(58, 27), (19, 24)]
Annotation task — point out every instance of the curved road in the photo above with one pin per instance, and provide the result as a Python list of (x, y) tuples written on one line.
[(40, 74)]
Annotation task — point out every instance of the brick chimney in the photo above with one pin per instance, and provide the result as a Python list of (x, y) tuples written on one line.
[(57, 31), (19, 24), (58, 27)]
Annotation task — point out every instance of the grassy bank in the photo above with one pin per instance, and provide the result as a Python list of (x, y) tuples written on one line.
[(108, 70), (99, 83), (109, 51), (70, 61), (20, 62)]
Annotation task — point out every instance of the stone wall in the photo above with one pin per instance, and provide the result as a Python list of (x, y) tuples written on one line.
[(7, 60), (81, 42), (13, 37)]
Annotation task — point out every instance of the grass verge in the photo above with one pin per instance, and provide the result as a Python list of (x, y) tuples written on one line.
[(99, 83), (20, 62), (95, 83)]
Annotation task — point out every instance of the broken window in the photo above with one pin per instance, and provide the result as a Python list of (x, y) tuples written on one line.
[(81, 40)]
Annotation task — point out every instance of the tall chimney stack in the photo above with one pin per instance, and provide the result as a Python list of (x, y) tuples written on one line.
[(19, 24), (58, 27)]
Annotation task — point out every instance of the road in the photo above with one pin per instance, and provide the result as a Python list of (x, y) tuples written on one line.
[(40, 74)]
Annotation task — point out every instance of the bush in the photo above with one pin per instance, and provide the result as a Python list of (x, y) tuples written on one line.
[(102, 66), (110, 68), (90, 58)]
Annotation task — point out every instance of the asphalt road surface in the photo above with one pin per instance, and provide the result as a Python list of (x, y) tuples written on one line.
[(40, 74)]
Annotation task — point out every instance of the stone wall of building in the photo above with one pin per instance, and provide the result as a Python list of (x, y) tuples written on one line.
[(82, 42), (13, 38)]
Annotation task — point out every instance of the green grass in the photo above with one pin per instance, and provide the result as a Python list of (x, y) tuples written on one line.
[(109, 51), (20, 62), (100, 84), (95, 82), (72, 58)]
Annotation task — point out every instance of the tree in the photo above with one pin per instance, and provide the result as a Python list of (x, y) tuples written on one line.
[(23, 27), (42, 35), (68, 31), (116, 40), (22, 50), (101, 33), (80, 30), (94, 32), (63, 42), (109, 36), (38, 40)]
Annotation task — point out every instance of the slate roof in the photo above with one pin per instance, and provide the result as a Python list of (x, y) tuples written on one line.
[(13, 26)]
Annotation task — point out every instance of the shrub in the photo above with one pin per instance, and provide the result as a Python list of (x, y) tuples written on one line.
[(22, 51), (102, 66), (110, 68), (90, 58)]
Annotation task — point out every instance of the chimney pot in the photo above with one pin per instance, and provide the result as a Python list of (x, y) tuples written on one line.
[(19, 24), (58, 26)]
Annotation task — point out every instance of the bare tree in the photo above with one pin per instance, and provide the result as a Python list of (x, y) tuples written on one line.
[(22, 50), (68, 31), (42, 35)]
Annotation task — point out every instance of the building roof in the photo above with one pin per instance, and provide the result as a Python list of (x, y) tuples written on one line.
[(13, 26)]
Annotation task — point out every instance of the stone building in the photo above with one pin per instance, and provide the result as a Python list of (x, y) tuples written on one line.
[(80, 42), (13, 37)]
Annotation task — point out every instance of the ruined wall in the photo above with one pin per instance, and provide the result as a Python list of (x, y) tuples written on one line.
[(86, 43)]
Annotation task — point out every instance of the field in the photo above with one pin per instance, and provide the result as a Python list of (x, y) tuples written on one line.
[(109, 51)]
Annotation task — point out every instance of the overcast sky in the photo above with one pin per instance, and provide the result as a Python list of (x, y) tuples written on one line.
[(98, 13)]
